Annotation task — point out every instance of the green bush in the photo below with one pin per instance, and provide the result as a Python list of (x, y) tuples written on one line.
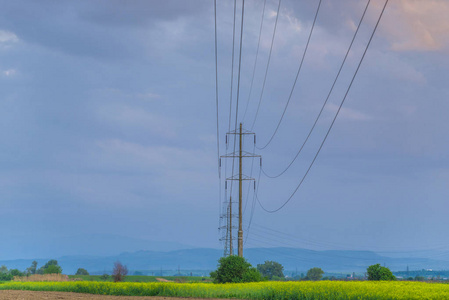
[(5, 277), (53, 269), (81, 271), (16, 272), (377, 272), (315, 274), (271, 269), (235, 269), (252, 275)]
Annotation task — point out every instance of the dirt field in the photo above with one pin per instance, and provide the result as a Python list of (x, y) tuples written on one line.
[(30, 295)]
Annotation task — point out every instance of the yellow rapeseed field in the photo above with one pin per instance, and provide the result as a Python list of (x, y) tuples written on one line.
[(260, 290)]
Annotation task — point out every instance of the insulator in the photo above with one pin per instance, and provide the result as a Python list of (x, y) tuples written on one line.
[(219, 163), (226, 185), (226, 139), (261, 161), (254, 139), (254, 185)]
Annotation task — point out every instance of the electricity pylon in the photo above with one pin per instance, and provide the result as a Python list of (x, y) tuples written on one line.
[(240, 177)]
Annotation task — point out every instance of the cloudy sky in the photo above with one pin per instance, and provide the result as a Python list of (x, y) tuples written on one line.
[(108, 123)]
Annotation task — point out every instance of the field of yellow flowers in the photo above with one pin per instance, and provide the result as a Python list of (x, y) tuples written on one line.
[(260, 290)]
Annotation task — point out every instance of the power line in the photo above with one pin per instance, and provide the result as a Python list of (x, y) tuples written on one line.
[(293, 243), (238, 91), (277, 252), (255, 60), (270, 231), (274, 236), (250, 175), (317, 255), (216, 83), (232, 68), (216, 104), (290, 237), (230, 107), (230, 101), (333, 121), (252, 208), (238, 84), (268, 64), (240, 65), (327, 98), (296, 79)]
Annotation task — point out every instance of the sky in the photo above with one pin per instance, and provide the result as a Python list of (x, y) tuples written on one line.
[(109, 125)]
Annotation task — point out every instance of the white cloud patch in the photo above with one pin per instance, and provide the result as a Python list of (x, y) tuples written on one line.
[(7, 37), (272, 14), (288, 26), (351, 24), (295, 24), (348, 113), (148, 96), (9, 72)]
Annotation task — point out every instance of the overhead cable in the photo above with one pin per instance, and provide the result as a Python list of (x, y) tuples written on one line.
[(325, 102), (255, 61), (216, 104), (238, 88), (253, 207), (240, 66), (232, 68), (294, 83), (333, 121), (230, 96), (268, 65)]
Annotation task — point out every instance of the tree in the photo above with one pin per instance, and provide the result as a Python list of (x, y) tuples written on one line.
[(315, 274), (3, 269), (32, 269), (119, 272), (377, 272), (271, 269), (15, 272), (51, 262), (81, 271), (4, 274), (5, 277), (252, 275), (235, 269), (53, 269)]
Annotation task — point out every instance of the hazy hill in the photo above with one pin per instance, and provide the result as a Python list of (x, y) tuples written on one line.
[(92, 244), (206, 259)]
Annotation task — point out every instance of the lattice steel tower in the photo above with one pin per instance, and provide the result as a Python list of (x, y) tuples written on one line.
[(227, 230)]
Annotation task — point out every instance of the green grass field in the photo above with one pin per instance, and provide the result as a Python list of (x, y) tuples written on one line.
[(261, 290)]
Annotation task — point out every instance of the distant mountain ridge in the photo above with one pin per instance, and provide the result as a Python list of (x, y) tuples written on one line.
[(206, 259), (91, 244)]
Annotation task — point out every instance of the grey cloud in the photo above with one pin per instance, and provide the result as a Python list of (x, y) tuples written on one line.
[(98, 29), (138, 13)]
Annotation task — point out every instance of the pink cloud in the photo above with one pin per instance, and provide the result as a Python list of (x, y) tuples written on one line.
[(417, 25)]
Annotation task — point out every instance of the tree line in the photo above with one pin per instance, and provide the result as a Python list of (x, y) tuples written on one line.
[(236, 269)]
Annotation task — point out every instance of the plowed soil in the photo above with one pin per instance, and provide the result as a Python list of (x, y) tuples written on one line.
[(31, 295)]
